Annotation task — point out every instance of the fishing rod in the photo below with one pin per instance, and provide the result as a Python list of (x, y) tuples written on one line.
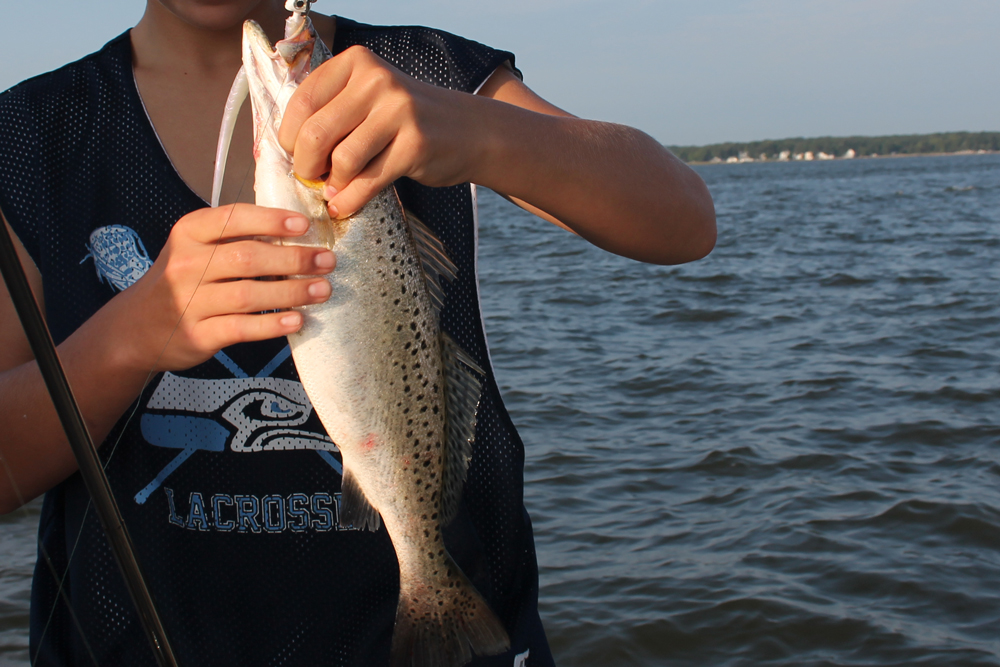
[(83, 447)]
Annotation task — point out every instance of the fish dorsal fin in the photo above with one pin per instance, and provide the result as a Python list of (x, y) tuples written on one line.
[(355, 510), (462, 392), (321, 53), (434, 259)]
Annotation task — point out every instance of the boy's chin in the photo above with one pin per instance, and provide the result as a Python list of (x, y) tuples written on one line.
[(220, 14)]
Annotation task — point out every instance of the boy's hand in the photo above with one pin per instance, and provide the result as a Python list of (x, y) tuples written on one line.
[(199, 296), (368, 124)]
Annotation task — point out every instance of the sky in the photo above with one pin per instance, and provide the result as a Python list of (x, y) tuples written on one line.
[(688, 72)]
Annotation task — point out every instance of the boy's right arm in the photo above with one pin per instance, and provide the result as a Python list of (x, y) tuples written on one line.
[(198, 297)]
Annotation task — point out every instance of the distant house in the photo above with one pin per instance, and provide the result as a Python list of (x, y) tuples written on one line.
[(784, 155), (825, 156), (850, 154), (809, 157)]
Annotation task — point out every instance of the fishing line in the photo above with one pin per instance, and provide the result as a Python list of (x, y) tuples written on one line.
[(60, 590), (48, 561)]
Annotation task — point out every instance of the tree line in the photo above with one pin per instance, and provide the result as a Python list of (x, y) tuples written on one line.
[(903, 144)]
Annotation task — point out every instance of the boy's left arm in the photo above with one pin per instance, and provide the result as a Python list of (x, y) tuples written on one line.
[(611, 184), (367, 124)]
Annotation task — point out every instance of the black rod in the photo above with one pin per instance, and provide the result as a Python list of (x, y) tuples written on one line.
[(83, 446)]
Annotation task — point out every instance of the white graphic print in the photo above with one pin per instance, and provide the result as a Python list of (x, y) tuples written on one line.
[(119, 256), (244, 414), (264, 411), (521, 659)]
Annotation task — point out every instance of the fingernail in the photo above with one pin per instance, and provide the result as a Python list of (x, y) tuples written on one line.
[(296, 224), (319, 289), (329, 192), (291, 320), (332, 210), (325, 260)]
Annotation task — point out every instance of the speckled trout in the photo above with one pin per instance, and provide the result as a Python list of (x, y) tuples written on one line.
[(396, 394)]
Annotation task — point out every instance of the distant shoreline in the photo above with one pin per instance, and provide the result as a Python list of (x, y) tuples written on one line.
[(803, 149), (844, 159)]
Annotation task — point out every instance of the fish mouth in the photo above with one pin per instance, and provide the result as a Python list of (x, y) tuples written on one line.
[(311, 183)]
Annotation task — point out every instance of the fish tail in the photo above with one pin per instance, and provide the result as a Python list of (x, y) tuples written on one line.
[(442, 624)]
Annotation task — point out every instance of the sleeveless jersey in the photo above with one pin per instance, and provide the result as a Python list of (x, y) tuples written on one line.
[(227, 481)]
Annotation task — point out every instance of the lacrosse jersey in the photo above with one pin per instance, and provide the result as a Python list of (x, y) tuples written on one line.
[(229, 485)]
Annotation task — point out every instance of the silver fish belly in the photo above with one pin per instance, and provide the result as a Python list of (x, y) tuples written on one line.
[(394, 392)]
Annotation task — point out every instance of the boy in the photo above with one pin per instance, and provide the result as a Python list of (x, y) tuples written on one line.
[(109, 161)]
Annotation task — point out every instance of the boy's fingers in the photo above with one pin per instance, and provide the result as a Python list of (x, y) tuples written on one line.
[(372, 179), (319, 88), (257, 296), (325, 129), (255, 259), (210, 225), (354, 154), (221, 332)]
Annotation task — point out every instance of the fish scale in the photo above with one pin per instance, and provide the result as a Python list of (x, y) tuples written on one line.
[(395, 393)]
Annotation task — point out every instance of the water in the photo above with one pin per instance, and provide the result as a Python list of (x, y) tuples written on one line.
[(786, 454)]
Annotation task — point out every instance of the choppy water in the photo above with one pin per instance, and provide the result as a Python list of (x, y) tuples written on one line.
[(786, 454)]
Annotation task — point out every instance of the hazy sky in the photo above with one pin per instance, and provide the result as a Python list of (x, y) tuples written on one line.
[(687, 72)]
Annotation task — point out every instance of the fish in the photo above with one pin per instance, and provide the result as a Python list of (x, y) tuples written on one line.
[(394, 391)]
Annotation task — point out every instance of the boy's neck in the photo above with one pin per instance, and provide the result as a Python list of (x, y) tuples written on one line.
[(199, 40)]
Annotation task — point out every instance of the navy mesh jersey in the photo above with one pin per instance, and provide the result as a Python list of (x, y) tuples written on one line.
[(225, 476)]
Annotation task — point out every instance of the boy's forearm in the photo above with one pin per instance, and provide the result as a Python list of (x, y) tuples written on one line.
[(614, 185), (35, 453)]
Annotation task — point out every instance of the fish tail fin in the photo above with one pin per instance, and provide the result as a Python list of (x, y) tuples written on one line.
[(441, 624)]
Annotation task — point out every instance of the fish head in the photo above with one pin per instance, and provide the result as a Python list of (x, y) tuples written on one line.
[(274, 73)]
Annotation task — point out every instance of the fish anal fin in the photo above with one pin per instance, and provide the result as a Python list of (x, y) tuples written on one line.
[(462, 393), (355, 510), (433, 258)]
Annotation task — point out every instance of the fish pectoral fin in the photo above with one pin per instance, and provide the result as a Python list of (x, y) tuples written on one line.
[(355, 510), (433, 259), (462, 392)]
